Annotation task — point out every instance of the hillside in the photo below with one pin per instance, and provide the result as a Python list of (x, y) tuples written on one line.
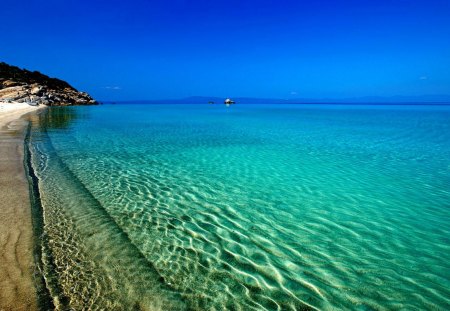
[(21, 85)]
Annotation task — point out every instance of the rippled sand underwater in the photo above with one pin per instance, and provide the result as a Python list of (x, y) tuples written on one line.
[(258, 207)]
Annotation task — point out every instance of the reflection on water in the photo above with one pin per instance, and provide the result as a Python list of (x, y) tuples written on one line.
[(58, 117)]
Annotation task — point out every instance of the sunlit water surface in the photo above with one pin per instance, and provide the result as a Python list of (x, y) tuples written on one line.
[(257, 207)]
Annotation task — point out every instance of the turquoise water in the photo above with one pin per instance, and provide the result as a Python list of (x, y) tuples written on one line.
[(257, 207)]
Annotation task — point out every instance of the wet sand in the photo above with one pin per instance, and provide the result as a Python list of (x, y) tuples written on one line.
[(17, 290)]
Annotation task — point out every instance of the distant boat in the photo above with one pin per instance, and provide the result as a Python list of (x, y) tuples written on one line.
[(211, 102), (228, 102)]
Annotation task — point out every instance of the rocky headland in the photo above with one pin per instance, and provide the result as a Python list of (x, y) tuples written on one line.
[(24, 86)]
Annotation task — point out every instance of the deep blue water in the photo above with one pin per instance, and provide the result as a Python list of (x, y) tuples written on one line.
[(259, 207)]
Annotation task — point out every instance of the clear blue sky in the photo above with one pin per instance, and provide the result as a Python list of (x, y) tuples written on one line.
[(119, 50)]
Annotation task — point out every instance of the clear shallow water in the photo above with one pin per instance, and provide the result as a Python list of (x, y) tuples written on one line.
[(248, 207)]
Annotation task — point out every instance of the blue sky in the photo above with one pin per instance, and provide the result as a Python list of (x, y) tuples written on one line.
[(125, 50)]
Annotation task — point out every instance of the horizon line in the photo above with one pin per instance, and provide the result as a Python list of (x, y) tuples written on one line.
[(155, 102)]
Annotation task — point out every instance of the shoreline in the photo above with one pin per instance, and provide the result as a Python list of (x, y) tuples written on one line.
[(17, 266)]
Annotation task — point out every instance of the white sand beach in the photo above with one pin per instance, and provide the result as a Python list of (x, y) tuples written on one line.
[(13, 111)]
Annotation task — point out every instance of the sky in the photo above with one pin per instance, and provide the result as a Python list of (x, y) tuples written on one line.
[(137, 50)]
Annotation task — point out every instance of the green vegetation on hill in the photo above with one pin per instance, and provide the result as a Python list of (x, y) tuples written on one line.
[(21, 85)]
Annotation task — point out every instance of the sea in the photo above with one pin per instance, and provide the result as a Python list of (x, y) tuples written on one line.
[(246, 207)]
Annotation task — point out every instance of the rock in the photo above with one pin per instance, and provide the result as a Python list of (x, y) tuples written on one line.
[(36, 90), (34, 98), (22, 85), (9, 83)]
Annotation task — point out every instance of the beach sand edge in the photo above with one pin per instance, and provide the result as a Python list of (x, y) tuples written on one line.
[(17, 267)]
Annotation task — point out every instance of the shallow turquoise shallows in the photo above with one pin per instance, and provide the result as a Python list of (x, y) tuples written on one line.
[(247, 207)]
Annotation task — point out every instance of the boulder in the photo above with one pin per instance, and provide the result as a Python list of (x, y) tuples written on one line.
[(36, 90)]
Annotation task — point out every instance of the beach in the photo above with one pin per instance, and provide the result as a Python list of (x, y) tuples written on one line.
[(17, 291)]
